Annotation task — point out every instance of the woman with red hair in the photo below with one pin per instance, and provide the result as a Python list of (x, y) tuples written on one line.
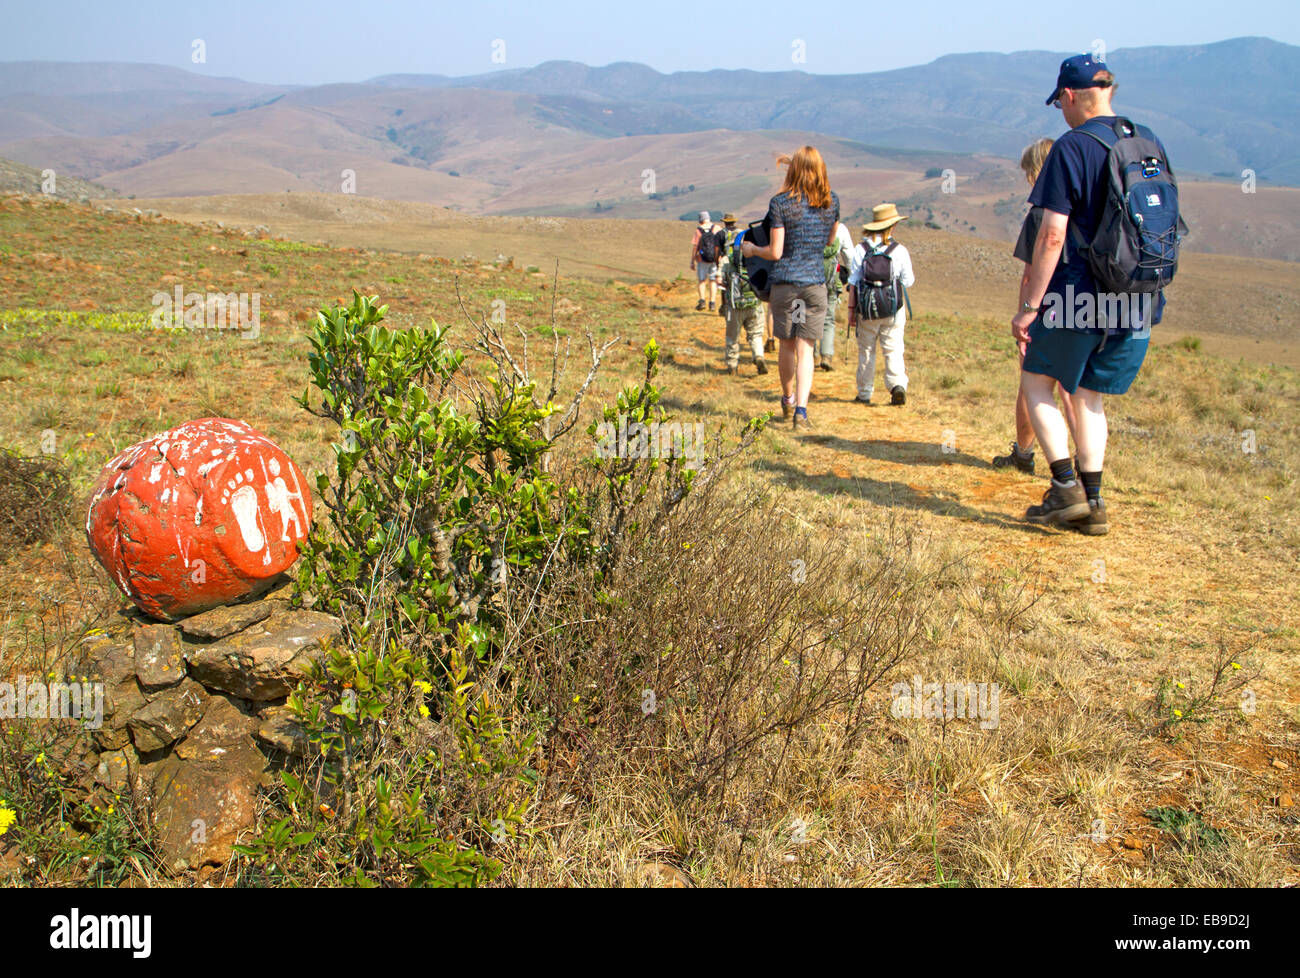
[(802, 220)]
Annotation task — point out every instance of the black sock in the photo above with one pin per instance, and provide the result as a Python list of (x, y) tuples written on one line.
[(1091, 484), (1063, 471)]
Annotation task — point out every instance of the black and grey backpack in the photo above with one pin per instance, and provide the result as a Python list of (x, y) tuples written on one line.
[(880, 295), (1135, 247)]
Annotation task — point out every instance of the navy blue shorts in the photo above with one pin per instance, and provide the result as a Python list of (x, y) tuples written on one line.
[(1107, 364)]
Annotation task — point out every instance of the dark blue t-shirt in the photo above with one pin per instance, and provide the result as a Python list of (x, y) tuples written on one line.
[(807, 230)]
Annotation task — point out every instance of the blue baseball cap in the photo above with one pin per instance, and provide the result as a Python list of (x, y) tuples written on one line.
[(1077, 72)]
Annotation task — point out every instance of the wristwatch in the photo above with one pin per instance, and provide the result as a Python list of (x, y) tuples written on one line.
[(1026, 307)]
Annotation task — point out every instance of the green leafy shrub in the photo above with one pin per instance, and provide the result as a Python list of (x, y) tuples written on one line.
[(443, 514), (397, 799), (456, 525), (430, 507)]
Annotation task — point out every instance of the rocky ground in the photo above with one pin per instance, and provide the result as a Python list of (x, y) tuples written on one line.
[(195, 715)]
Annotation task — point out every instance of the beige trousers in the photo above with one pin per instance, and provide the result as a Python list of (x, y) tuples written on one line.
[(890, 334)]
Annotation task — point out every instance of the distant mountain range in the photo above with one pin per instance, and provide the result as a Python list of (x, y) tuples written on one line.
[(1219, 107), (564, 138)]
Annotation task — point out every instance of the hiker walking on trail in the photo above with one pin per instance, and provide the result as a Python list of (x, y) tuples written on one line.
[(882, 273), (838, 259), (1108, 245), (707, 247), (1022, 449), (801, 220), (740, 305)]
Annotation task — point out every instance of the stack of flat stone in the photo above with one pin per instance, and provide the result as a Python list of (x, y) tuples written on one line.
[(194, 712)]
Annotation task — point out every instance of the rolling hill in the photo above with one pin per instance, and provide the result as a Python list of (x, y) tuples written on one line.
[(17, 177), (565, 139)]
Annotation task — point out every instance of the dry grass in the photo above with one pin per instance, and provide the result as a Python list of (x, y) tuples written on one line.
[(1078, 632)]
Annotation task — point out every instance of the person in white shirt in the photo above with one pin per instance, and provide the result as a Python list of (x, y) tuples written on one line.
[(879, 238), (839, 254)]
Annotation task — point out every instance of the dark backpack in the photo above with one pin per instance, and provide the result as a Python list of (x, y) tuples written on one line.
[(737, 292), (759, 270), (1135, 247), (711, 246), (880, 295), (833, 269)]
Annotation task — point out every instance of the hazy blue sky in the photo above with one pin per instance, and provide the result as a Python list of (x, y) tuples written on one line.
[(327, 40)]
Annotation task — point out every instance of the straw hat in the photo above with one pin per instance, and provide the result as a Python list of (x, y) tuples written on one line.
[(728, 218), (883, 217)]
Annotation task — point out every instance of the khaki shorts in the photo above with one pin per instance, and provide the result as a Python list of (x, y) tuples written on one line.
[(706, 271), (798, 310)]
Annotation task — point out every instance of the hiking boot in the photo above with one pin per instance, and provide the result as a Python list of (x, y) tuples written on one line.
[(1061, 505), (861, 400), (733, 369), (1024, 461), (826, 364), (770, 347), (761, 364), (801, 423), (787, 408), (710, 307), (1095, 525), (898, 396), (699, 305)]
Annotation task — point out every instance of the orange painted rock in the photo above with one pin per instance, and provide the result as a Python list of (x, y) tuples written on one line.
[(200, 516)]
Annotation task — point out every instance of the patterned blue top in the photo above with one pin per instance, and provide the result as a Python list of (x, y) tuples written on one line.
[(807, 230)]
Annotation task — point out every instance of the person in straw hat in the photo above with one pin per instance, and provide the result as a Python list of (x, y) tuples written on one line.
[(878, 305)]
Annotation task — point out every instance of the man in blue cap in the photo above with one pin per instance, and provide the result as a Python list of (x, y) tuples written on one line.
[(1086, 355)]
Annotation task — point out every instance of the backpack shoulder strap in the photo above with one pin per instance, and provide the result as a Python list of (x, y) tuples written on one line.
[(892, 246), (1108, 136), (1104, 134)]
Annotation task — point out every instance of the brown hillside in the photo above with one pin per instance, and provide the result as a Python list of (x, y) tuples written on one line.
[(1238, 307)]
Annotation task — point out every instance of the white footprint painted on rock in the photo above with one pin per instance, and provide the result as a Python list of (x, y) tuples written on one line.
[(248, 514), (282, 501)]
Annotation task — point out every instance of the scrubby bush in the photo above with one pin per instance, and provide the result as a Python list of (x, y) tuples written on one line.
[(430, 505), (34, 499), (444, 523), (527, 618)]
